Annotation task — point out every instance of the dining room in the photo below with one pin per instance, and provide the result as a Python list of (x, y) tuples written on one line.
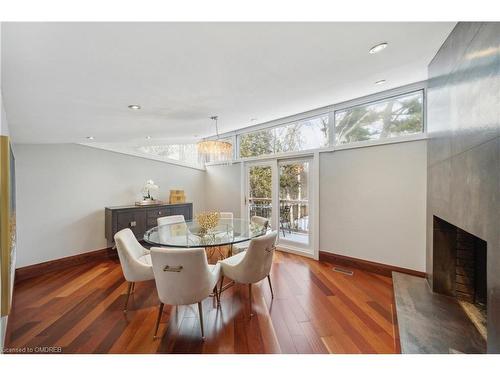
[(245, 188)]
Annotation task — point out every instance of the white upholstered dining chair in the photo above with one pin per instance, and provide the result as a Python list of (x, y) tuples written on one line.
[(172, 219), (252, 265), (183, 277), (255, 220), (171, 226), (135, 260), (225, 219), (226, 215)]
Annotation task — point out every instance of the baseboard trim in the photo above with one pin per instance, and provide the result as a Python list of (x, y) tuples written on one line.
[(295, 250), (366, 265), (28, 272)]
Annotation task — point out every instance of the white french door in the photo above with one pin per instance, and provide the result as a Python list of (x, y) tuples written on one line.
[(260, 191), (295, 203), (283, 190)]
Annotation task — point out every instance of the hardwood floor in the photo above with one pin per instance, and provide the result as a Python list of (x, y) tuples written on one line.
[(315, 310)]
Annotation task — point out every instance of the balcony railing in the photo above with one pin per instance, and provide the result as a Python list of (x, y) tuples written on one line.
[(293, 215)]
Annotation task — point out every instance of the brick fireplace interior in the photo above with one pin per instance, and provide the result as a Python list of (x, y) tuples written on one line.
[(460, 270)]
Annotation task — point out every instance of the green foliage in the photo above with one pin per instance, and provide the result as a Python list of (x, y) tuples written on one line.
[(260, 182), (290, 182), (271, 141), (257, 143), (408, 119), (288, 138), (284, 139)]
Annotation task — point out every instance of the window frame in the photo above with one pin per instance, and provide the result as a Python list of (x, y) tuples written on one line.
[(182, 153), (330, 112), (371, 102), (323, 113)]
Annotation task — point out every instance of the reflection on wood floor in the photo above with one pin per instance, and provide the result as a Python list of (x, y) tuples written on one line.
[(315, 310)]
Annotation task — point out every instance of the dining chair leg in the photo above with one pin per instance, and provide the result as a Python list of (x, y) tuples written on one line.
[(270, 285), (160, 311), (220, 288), (200, 310), (128, 296), (250, 298), (133, 287), (216, 293)]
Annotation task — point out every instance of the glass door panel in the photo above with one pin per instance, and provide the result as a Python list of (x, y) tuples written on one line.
[(294, 202), (260, 191)]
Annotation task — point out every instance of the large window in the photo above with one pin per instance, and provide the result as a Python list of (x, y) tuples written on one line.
[(377, 120), (182, 152), (388, 118), (299, 136)]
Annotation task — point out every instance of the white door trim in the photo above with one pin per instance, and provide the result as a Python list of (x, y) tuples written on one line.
[(315, 204)]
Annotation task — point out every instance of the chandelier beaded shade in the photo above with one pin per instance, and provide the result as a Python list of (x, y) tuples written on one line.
[(210, 150)]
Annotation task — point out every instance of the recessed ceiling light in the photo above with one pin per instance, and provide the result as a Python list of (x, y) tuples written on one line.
[(253, 119), (381, 82), (135, 107), (90, 138), (148, 137), (379, 47)]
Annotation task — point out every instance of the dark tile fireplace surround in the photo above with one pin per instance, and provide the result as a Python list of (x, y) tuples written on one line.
[(458, 305)]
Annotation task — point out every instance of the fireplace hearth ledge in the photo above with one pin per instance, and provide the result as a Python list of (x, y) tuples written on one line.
[(431, 323)]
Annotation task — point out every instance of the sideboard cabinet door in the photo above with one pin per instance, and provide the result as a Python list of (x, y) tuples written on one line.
[(139, 218), (135, 220)]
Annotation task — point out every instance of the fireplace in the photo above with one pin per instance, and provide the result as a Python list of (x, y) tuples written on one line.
[(459, 260)]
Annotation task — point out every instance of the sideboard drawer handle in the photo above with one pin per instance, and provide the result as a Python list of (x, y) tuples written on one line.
[(159, 212), (133, 223)]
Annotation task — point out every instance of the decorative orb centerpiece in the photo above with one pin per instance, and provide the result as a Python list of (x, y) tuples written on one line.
[(207, 221)]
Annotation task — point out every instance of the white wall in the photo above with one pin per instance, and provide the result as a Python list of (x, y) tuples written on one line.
[(4, 130), (62, 190), (223, 188), (4, 126), (373, 201)]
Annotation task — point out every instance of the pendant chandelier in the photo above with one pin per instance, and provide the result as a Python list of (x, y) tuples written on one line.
[(210, 150)]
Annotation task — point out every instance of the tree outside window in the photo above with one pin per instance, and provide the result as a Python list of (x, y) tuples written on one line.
[(394, 117)]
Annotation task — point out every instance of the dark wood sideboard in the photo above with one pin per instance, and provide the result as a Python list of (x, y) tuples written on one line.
[(140, 218)]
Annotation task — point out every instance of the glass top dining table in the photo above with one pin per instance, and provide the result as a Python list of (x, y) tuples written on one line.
[(190, 234)]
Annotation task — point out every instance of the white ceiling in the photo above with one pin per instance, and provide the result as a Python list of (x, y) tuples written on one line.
[(65, 81)]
